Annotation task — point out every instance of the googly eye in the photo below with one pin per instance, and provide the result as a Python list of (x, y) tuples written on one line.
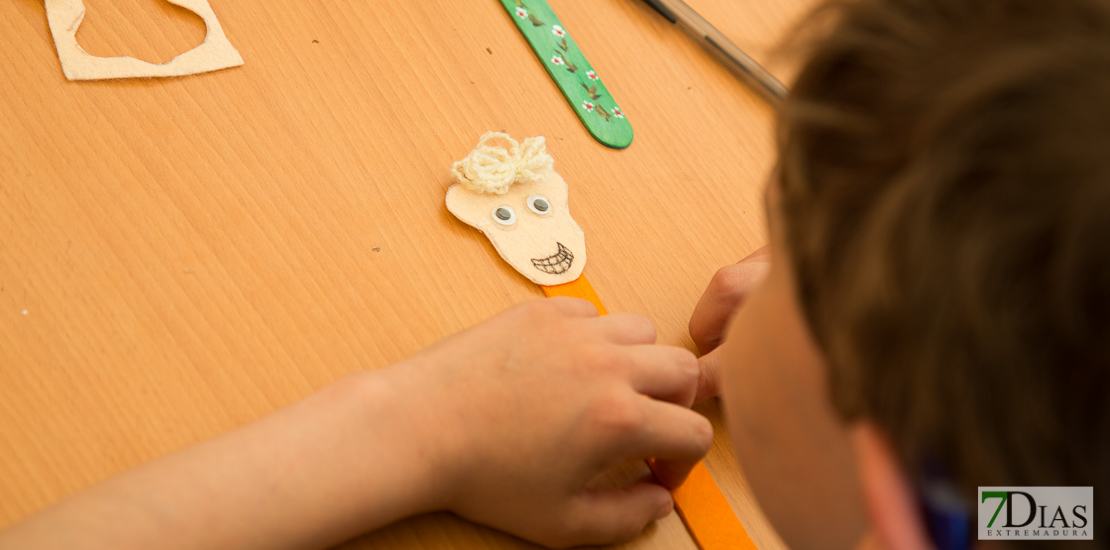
[(539, 204), (503, 215)]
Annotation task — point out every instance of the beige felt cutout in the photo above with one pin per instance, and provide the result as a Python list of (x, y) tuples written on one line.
[(65, 17), (548, 249)]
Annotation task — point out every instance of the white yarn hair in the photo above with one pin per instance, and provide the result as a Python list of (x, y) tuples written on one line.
[(493, 169)]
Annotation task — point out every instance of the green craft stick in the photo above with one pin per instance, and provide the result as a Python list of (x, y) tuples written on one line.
[(566, 64)]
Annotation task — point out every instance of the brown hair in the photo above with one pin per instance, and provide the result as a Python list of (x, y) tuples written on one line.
[(945, 177)]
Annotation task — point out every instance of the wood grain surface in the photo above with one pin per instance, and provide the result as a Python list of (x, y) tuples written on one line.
[(181, 256)]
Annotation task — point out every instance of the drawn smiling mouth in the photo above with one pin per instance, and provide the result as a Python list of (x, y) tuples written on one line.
[(556, 264)]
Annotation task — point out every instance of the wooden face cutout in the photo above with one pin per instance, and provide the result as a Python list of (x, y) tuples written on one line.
[(65, 17), (545, 245)]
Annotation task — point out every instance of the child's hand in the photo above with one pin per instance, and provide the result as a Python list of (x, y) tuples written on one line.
[(536, 402), (726, 291)]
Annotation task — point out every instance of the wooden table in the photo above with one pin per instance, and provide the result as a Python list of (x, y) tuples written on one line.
[(179, 257)]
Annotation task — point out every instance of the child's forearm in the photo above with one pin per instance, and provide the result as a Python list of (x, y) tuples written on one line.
[(504, 424), (341, 462)]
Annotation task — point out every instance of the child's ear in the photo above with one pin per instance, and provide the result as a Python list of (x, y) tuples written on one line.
[(466, 206), (887, 492)]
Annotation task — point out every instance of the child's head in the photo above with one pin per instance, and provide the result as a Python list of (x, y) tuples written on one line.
[(942, 211)]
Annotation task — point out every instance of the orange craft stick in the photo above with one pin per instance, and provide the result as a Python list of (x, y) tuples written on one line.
[(578, 288), (707, 515), (699, 502)]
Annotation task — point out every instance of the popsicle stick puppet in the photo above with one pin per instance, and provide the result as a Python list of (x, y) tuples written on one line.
[(512, 194)]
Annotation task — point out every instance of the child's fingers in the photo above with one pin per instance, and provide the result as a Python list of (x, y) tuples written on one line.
[(709, 369), (761, 254), (665, 373), (671, 473), (573, 307), (625, 328), (607, 516), (675, 436), (726, 291), (681, 439)]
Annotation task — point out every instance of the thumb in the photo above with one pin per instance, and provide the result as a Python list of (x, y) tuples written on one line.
[(606, 516), (709, 366)]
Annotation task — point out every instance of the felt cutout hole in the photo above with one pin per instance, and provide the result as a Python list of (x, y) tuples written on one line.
[(154, 31), (213, 54)]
